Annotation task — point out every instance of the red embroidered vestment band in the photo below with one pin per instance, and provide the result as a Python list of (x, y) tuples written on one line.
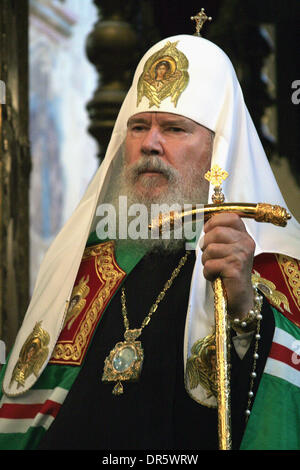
[(278, 277), (97, 280)]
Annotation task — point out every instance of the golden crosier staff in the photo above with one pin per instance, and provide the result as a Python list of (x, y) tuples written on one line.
[(261, 213), (215, 176)]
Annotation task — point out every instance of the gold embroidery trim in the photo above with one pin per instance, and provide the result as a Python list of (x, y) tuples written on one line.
[(201, 365), (32, 356), (290, 268), (269, 289), (77, 301), (106, 268)]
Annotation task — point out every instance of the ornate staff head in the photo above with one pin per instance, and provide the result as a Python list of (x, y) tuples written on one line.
[(215, 176)]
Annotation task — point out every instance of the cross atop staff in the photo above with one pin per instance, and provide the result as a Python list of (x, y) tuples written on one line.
[(215, 176), (200, 19)]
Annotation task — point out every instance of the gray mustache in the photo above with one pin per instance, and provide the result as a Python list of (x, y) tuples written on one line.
[(153, 164)]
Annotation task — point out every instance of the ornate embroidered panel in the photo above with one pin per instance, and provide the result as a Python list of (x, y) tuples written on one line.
[(283, 292), (97, 280)]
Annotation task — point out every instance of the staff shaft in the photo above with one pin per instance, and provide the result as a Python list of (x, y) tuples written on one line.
[(222, 366)]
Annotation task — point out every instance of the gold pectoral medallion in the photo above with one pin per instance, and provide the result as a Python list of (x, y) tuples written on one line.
[(124, 362)]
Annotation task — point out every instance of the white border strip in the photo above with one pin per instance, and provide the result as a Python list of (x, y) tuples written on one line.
[(13, 426), (283, 371), (34, 397), (286, 339)]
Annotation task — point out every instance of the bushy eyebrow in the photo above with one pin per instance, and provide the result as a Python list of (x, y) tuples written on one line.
[(168, 122), (175, 122), (140, 120)]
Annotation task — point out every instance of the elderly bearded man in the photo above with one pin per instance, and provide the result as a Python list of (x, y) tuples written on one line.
[(122, 369)]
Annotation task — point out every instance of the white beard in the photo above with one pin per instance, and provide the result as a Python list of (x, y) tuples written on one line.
[(179, 191)]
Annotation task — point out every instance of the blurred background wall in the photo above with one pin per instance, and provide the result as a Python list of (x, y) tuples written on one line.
[(61, 80)]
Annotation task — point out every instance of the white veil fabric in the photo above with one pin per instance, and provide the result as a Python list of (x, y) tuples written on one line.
[(212, 98)]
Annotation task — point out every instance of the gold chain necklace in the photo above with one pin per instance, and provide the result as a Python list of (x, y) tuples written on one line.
[(125, 360)]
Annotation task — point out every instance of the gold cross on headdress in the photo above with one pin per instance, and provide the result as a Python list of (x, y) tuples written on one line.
[(200, 19)]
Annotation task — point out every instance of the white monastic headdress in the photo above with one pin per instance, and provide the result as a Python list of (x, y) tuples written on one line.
[(200, 84)]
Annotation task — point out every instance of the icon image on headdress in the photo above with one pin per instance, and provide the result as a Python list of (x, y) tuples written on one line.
[(165, 74)]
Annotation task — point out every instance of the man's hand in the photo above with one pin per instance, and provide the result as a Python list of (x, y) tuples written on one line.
[(228, 252)]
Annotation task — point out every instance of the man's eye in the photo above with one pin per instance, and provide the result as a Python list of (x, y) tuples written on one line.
[(138, 128), (175, 129)]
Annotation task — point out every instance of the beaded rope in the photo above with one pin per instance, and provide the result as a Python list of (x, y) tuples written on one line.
[(253, 373), (249, 323)]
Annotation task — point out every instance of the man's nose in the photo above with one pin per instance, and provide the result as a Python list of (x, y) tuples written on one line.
[(151, 144)]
